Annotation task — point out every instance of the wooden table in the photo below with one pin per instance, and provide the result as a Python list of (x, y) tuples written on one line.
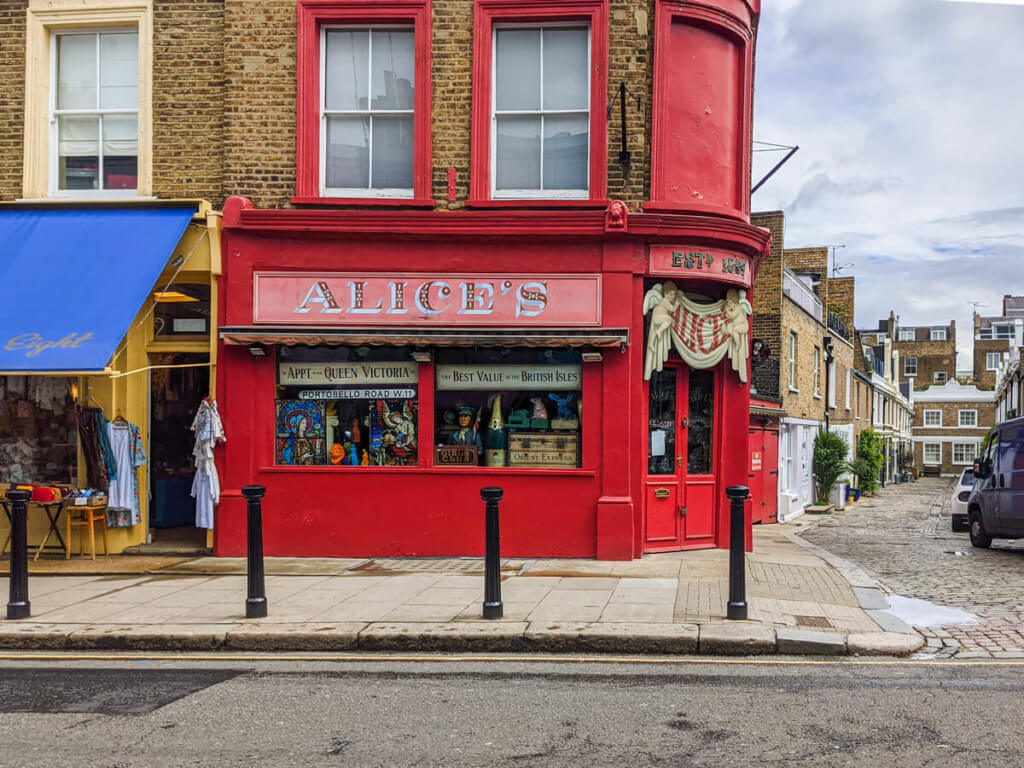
[(53, 510)]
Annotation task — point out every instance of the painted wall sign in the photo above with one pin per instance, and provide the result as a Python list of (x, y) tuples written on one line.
[(318, 374), (292, 298), (690, 262), (357, 394), (521, 377), (702, 334)]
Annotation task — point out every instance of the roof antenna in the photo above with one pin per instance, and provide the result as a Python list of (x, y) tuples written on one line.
[(975, 304), (836, 266)]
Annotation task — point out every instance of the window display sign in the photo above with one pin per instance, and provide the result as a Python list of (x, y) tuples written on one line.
[(443, 300), (456, 455), (318, 374), (509, 377), (700, 262)]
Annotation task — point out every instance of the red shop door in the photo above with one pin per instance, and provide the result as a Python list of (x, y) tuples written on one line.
[(680, 485), (763, 477)]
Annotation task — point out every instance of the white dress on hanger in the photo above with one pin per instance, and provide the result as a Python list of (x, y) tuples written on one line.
[(121, 493)]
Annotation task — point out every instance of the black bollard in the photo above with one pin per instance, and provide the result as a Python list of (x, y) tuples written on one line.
[(493, 608), (256, 603), (18, 606), (737, 608)]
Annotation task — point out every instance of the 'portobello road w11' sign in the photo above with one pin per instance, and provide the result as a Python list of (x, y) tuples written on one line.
[(290, 298)]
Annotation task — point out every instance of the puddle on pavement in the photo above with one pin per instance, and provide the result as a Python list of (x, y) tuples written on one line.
[(921, 613)]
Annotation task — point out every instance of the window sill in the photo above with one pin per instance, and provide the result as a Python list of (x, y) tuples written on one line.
[(794, 390), (509, 471), (531, 202), (384, 202), (817, 397)]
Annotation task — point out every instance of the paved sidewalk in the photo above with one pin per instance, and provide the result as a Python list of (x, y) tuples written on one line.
[(669, 603)]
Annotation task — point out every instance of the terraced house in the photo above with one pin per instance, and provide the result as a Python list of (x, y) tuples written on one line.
[(465, 243)]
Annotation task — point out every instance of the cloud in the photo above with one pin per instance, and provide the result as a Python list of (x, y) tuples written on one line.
[(908, 118)]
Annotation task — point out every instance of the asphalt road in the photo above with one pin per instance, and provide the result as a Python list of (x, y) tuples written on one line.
[(156, 713)]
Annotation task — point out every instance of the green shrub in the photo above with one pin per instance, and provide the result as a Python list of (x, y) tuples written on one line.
[(870, 448), (829, 462)]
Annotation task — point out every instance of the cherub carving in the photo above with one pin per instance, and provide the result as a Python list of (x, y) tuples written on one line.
[(737, 328), (663, 298)]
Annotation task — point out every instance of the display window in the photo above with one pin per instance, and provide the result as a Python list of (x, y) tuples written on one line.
[(346, 406), (509, 408)]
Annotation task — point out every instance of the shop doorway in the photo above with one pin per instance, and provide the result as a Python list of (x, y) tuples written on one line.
[(763, 477), (680, 485), (175, 394)]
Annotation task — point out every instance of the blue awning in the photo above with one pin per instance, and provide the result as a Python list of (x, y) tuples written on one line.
[(72, 280)]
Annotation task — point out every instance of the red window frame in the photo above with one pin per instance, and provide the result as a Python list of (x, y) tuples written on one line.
[(314, 14), (487, 13)]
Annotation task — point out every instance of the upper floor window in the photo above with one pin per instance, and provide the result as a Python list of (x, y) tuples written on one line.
[(541, 112), (938, 334), (992, 361), (906, 334), (792, 360), (366, 124), (363, 127), (968, 418), (95, 112), (933, 418), (817, 372), (910, 366), (939, 377), (540, 82)]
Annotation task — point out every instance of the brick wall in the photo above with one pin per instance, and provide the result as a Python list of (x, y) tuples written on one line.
[(842, 353), (950, 432), (841, 299), (810, 260), (802, 404), (983, 378), (931, 356), (188, 98), (766, 323), (452, 92), (862, 407), (12, 96)]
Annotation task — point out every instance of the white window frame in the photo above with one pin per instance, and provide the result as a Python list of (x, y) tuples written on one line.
[(960, 417), (906, 334), (940, 377), (938, 334), (932, 412), (972, 451), (849, 386), (817, 373), (369, 112), (906, 367), (54, 159), (538, 194), (988, 361), (792, 362), (832, 384), (924, 454)]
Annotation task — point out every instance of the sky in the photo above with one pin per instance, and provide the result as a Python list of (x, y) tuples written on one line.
[(909, 115)]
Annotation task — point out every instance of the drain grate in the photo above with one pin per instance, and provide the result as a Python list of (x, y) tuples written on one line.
[(418, 565), (813, 621)]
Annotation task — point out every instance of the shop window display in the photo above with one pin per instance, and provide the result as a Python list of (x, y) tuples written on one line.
[(346, 406), (509, 408), (38, 430)]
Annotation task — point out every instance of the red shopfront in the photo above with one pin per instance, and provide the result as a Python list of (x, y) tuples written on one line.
[(364, 352)]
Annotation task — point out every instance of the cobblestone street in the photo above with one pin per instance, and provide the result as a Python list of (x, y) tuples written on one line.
[(902, 537)]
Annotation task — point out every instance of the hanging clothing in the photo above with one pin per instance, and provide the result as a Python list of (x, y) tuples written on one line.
[(123, 493), (206, 483), (100, 466)]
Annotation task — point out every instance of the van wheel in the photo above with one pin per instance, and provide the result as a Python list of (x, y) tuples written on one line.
[(978, 536)]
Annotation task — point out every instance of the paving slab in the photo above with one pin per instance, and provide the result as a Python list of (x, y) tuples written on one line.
[(140, 637), (739, 638), (808, 642), (890, 623), (882, 643), (608, 637), (871, 598)]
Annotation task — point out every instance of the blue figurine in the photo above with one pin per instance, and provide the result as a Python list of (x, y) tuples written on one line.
[(563, 404)]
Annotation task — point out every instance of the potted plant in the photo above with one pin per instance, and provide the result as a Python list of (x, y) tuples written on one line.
[(829, 463), (869, 460)]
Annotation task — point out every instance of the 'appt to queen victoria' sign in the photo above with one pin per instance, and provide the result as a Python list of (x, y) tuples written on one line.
[(297, 298)]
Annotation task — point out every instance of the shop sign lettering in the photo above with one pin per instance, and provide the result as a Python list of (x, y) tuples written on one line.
[(291, 374), (510, 377), (357, 394), (32, 343), (686, 262), (370, 300)]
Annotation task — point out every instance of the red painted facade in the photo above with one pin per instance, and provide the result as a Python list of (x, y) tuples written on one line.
[(616, 503)]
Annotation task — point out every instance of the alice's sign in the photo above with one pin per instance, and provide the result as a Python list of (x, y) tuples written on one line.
[(515, 377), (701, 334), (699, 262), (318, 374), (297, 298)]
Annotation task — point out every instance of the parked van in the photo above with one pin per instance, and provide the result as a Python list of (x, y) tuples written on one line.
[(996, 505)]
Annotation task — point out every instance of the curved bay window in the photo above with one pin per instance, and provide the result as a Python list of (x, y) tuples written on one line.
[(509, 408), (346, 406)]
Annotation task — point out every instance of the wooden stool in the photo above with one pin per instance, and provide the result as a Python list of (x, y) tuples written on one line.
[(89, 515)]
